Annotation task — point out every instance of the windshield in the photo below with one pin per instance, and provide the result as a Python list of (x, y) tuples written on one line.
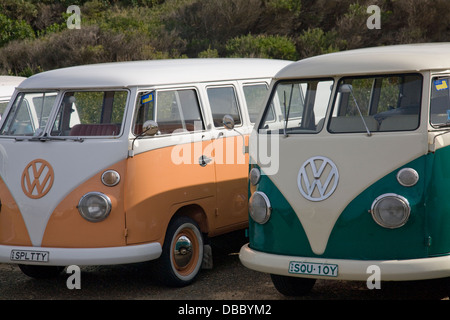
[(298, 107), (28, 114), (90, 113), (80, 113), (440, 102), (380, 103)]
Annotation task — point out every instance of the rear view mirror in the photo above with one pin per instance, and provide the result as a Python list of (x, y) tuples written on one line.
[(150, 128), (345, 88), (228, 122)]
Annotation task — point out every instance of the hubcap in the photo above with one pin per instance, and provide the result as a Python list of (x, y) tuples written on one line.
[(183, 251)]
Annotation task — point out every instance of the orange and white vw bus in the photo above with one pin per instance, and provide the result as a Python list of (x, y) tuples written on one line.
[(358, 178), (127, 162)]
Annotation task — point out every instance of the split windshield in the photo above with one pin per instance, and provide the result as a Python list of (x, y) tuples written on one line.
[(373, 104), (79, 113), (360, 104)]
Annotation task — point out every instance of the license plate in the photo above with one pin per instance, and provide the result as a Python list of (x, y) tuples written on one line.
[(317, 269), (30, 255)]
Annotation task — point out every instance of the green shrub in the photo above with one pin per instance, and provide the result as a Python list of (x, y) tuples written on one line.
[(14, 30), (262, 46), (315, 42)]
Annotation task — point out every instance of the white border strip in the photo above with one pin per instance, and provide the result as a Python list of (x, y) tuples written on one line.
[(88, 256), (391, 270)]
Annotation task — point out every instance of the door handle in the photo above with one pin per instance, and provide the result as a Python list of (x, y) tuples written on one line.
[(204, 160)]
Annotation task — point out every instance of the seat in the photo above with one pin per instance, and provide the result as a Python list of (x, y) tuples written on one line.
[(104, 129)]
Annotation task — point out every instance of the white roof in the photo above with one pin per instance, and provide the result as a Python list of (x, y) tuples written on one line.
[(153, 72), (399, 58), (8, 84)]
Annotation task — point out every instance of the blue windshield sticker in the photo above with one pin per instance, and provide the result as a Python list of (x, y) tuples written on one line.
[(147, 98), (448, 115), (440, 85)]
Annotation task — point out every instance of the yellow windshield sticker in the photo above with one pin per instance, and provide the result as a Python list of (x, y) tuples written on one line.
[(441, 84), (147, 98)]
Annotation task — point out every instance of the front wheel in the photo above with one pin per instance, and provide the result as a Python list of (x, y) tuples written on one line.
[(292, 286), (182, 253)]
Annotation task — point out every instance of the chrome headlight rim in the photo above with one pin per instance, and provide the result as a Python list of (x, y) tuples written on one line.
[(254, 176), (377, 214), (110, 178), (407, 177), (260, 217), (104, 205)]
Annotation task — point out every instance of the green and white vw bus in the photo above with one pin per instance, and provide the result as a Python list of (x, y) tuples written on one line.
[(351, 169)]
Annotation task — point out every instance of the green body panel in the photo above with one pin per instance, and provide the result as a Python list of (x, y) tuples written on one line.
[(355, 234)]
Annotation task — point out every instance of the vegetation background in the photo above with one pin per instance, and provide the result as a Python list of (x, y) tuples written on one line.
[(34, 35)]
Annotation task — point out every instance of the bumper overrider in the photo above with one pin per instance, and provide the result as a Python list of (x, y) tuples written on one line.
[(343, 269), (79, 256)]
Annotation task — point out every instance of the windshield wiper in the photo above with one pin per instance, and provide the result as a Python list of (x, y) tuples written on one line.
[(45, 137), (287, 109)]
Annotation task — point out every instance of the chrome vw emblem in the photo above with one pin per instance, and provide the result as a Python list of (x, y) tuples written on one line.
[(318, 178), (37, 179)]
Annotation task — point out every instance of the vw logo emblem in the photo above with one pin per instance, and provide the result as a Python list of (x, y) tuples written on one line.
[(37, 179), (318, 178)]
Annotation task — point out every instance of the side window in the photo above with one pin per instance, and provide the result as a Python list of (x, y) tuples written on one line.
[(374, 104), (223, 101), (171, 109), (255, 97)]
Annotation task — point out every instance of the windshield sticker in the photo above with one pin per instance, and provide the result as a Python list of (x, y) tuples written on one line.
[(440, 85), (147, 98)]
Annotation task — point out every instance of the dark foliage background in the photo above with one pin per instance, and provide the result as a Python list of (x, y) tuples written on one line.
[(34, 35)]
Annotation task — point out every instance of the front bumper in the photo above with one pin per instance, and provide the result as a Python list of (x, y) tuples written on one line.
[(79, 256), (390, 270)]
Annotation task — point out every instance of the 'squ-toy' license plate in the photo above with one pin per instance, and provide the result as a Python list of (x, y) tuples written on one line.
[(317, 269)]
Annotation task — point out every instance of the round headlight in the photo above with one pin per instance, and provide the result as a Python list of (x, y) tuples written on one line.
[(259, 207), (94, 206), (390, 210), (110, 178), (254, 176)]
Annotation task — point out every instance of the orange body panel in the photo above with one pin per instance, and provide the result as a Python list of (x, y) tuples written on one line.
[(157, 187), (231, 165), (152, 189), (67, 228)]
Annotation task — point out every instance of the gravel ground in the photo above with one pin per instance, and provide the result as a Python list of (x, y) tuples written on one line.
[(228, 280)]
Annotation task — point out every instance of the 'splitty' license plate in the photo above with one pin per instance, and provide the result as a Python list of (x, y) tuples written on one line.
[(317, 269), (29, 255)]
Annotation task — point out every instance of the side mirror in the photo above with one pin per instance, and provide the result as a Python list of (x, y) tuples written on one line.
[(345, 88), (150, 128), (228, 122)]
